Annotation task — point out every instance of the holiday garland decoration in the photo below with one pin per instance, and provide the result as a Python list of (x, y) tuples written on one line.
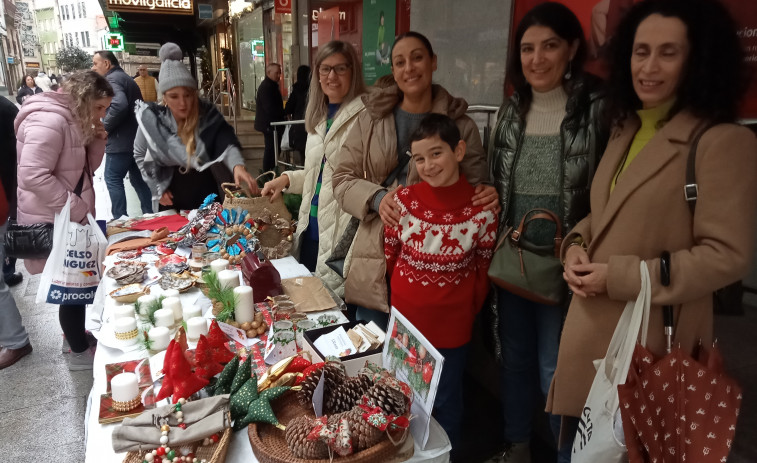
[(232, 234)]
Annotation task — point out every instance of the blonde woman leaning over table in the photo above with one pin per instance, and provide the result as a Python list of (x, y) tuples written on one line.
[(185, 149), (333, 106), (676, 68)]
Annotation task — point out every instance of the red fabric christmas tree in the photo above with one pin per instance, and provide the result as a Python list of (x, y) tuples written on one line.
[(206, 365), (179, 380), (219, 344)]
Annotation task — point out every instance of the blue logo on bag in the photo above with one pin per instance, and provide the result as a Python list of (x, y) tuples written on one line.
[(62, 295)]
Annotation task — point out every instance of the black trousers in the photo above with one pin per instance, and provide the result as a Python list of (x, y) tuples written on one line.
[(72, 322)]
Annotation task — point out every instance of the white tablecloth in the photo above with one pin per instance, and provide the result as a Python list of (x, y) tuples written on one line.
[(98, 437)]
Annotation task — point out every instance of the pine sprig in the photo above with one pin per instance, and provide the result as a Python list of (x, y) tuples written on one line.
[(145, 341), (153, 307), (221, 294)]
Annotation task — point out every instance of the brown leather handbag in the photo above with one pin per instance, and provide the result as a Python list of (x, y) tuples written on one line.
[(527, 270)]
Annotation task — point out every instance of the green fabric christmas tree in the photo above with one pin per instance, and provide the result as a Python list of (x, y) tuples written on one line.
[(223, 385), (243, 374), (240, 401)]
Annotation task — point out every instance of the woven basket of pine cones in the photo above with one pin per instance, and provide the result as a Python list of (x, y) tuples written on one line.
[(270, 444), (214, 453)]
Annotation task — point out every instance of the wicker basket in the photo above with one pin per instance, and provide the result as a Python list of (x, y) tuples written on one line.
[(269, 443), (215, 453), (255, 205)]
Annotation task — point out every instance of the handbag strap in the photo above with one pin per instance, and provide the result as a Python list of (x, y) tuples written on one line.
[(691, 189), (393, 174), (80, 185), (539, 214)]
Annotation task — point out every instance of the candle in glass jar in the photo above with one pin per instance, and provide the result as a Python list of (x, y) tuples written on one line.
[(195, 327), (173, 303), (219, 265), (164, 317), (245, 307), (191, 311), (124, 387), (160, 337), (228, 278)]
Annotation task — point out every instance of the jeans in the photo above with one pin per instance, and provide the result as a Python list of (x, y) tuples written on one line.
[(13, 335), (116, 167), (530, 334), (448, 404), (567, 435)]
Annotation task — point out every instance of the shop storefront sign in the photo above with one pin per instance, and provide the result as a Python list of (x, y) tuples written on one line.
[(378, 37), (32, 65), (152, 6), (114, 41), (205, 11), (11, 60), (283, 6)]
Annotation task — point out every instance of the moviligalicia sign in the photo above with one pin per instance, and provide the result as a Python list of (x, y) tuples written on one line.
[(152, 6)]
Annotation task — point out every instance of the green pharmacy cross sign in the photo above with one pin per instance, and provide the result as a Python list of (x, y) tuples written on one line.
[(114, 41)]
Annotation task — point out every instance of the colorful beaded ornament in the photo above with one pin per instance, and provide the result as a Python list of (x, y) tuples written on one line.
[(164, 453)]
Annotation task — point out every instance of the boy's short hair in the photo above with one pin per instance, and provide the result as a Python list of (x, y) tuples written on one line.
[(437, 125)]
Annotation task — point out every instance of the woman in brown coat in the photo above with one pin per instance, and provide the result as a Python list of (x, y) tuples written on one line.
[(685, 75)]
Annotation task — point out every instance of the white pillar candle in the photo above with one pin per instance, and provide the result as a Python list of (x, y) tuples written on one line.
[(124, 387), (219, 265), (191, 312), (173, 303), (195, 327), (228, 278), (160, 337), (245, 307), (164, 317), (170, 293), (126, 330), (122, 311), (145, 300)]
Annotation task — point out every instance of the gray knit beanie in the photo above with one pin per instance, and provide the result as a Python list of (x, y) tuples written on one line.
[(173, 73)]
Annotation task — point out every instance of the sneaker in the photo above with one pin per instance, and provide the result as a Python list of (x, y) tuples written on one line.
[(65, 348), (517, 452), (82, 360)]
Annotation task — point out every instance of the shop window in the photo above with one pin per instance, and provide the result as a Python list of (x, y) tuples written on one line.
[(84, 10)]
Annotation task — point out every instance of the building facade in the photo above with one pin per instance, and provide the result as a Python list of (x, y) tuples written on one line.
[(48, 27), (12, 51), (26, 25), (82, 24)]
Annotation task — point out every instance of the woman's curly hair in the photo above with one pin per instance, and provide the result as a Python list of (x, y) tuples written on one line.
[(713, 78), (86, 87)]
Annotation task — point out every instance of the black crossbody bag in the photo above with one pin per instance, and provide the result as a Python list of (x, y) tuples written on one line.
[(336, 260), (34, 241)]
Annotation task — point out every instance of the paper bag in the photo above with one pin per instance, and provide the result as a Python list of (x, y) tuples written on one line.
[(308, 294)]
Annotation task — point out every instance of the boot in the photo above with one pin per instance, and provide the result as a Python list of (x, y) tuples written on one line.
[(517, 452)]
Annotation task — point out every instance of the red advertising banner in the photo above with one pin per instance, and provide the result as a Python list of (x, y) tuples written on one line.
[(599, 18), (283, 6)]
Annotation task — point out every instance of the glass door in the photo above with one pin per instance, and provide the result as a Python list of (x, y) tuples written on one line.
[(251, 56)]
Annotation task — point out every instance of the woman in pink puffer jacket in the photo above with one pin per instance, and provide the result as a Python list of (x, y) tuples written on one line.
[(60, 141)]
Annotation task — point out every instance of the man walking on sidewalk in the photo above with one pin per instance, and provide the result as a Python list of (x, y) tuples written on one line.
[(269, 107), (121, 125)]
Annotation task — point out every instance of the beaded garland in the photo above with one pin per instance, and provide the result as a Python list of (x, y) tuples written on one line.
[(164, 453)]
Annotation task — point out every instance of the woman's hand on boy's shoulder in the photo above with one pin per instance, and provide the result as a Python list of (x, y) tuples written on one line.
[(486, 196), (389, 210)]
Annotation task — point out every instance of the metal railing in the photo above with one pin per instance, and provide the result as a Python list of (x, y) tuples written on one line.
[(290, 161), (218, 90), (490, 113)]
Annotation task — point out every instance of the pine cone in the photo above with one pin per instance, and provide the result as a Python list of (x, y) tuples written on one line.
[(348, 394), (390, 400), (305, 395), (296, 436), (363, 434)]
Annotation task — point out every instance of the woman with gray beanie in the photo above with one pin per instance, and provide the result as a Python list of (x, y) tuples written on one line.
[(184, 147)]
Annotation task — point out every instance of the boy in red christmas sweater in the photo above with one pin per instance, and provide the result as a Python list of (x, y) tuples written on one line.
[(438, 255)]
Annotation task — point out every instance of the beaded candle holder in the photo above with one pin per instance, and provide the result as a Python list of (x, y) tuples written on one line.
[(126, 330)]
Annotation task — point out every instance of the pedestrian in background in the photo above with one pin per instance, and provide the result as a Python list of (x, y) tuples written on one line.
[(184, 147), (147, 84), (546, 145), (295, 109), (14, 340), (269, 107), (61, 142), (121, 125), (28, 88), (43, 81)]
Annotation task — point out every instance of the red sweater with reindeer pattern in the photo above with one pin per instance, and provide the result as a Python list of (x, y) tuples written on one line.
[(437, 259)]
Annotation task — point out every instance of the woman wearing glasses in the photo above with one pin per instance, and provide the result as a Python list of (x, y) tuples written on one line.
[(332, 109), (378, 142)]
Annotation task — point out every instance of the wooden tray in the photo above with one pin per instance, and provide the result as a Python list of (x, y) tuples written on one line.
[(269, 443)]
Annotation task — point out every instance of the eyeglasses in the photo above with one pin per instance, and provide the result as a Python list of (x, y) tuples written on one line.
[(340, 69)]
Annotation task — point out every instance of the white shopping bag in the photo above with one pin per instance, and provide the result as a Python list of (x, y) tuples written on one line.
[(600, 434), (286, 144), (73, 270)]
